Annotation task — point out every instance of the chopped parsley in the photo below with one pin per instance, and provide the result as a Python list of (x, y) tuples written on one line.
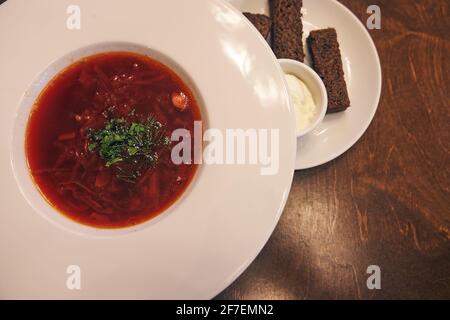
[(130, 147)]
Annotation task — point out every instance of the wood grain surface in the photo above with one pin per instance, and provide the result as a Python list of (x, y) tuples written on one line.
[(386, 201)]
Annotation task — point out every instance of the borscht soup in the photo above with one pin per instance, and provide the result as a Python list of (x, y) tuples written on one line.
[(98, 139)]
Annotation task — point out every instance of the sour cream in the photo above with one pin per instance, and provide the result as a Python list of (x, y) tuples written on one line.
[(302, 99)]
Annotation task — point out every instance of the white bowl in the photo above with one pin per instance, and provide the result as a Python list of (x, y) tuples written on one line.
[(312, 80), (205, 240)]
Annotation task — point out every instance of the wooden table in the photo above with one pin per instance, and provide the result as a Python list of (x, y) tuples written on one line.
[(386, 201)]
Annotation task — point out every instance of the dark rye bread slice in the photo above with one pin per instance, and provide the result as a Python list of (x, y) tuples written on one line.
[(261, 22), (327, 62), (287, 32)]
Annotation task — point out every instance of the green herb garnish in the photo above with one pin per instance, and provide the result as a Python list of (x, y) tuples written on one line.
[(130, 147)]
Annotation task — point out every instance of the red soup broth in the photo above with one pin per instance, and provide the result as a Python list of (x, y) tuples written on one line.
[(84, 96)]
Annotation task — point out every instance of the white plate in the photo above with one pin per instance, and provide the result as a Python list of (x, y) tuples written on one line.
[(211, 235), (339, 132)]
